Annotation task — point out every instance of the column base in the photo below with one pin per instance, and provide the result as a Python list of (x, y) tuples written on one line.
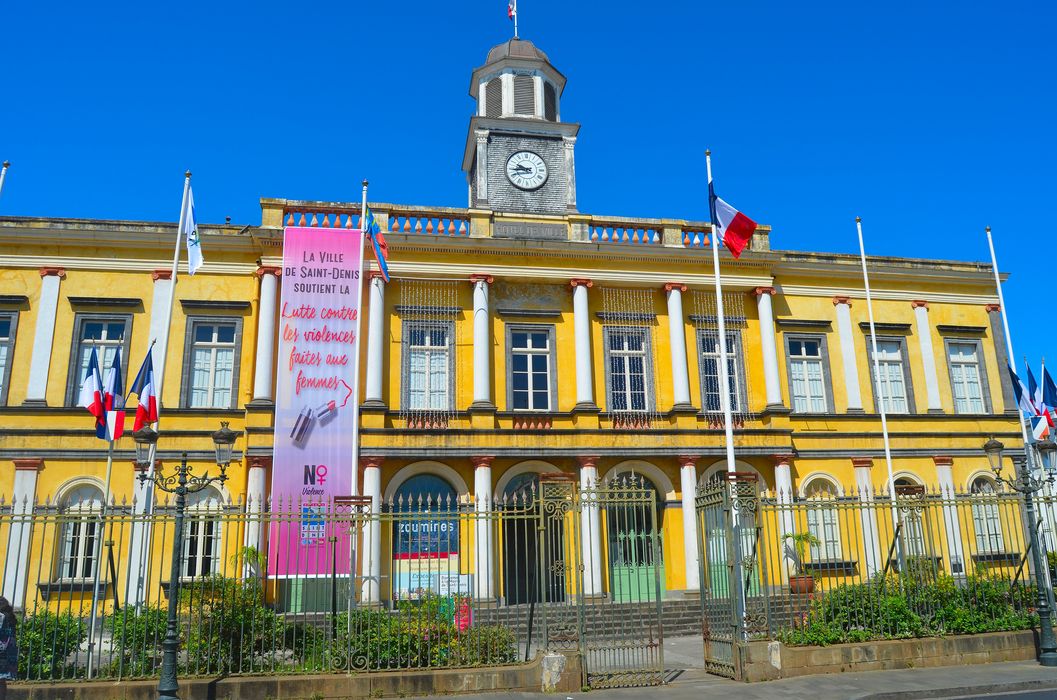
[(684, 408), (482, 407), (373, 405), (776, 409), (856, 411), (35, 403), (260, 403), (586, 407), (936, 412)]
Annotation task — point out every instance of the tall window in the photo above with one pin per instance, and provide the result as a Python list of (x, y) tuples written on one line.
[(710, 379), (428, 366), (912, 530), (892, 383), (7, 349), (807, 375), (212, 359), (964, 359), (202, 534), (105, 334), (822, 520), (80, 510), (628, 357), (530, 369), (986, 519)]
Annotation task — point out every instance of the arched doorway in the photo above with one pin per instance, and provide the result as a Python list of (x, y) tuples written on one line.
[(521, 575), (425, 513), (634, 539)]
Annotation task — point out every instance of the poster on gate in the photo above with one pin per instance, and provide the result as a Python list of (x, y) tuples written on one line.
[(315, 410)]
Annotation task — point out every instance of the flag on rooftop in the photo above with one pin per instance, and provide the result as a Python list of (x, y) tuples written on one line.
[(734, 228), (91, 396), (113, 401), (511, 9), (143, 386), (378, 244), (190, 232)]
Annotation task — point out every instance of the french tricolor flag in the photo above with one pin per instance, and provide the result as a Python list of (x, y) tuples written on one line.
[(145, 388), (734, 228), (92, 396), (113, 401)]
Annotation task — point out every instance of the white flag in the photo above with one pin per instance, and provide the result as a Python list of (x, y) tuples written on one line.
[(190, 232)]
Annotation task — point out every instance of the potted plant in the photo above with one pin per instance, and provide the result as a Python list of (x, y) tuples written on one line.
[(801, 582)]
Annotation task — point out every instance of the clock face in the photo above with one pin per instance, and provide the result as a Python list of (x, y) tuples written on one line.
[(526, 170)]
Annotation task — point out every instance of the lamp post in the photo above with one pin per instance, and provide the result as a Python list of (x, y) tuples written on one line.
[(181, 483), (1029, 485)]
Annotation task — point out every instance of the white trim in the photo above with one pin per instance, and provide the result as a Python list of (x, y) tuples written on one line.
[(815, 476), (887, 294), (426, 467), (721, 466), (987, 474), (907, 475), (119, 264), (66, 487), (650, 471), (530, 466)]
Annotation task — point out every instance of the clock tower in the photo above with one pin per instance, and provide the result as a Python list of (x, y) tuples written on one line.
[(519, 154)]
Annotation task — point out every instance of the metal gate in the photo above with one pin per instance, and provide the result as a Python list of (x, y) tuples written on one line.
[(600, 569), (733, 582)]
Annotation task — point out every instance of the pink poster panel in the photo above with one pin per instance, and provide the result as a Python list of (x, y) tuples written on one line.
[(315, 410)]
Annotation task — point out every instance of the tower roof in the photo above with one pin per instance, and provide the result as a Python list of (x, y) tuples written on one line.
[(516, 53), (515, 48)]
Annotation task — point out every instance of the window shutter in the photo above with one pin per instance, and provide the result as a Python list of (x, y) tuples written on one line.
[(493, 98), (524, 97), (550, 103)]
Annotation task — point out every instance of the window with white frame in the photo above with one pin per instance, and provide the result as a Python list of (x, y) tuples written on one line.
[(966, 378), (891, 381), (710, 379), (822, 519), (428, 366), (627, 355), (106, 334), (79, 533), (212, 357), (987, 522), (202, 534), (807, 376), (531, 370), (8, 323)]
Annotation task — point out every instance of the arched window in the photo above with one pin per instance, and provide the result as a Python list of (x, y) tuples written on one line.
[(79, 509), (912, 532), (986, 519), (524, 95), (493, 98), (202, 524), (550, 103), (425, 538), (823, 522)]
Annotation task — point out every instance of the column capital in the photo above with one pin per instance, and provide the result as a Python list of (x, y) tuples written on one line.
[(368, 462), (587, 461), (482, 460), (837, 301), (269, 270), (577, 282), (943, 461), (760, 291), (669, 286), (156, 275), (919, 304), (782, 460), (991, 308), (259, 462), (375, 275), (688, 460), (862, 462), (59, 272), (475, 278), (32, 464)]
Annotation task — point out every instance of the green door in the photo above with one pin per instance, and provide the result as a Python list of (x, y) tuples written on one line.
[(635, 565)]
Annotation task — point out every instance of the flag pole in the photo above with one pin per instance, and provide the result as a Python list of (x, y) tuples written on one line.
[(1009, 345), (359, 345), (3, 174), (515, 19), (98, 563)]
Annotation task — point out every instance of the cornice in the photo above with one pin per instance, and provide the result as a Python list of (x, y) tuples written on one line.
[(885, 294)]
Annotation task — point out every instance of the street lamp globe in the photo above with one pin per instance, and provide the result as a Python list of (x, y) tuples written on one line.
[(1046, 449), (146, 438), (993, 449), (224, 441)]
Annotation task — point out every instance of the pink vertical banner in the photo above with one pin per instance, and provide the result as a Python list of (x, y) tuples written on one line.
[(315, 410)]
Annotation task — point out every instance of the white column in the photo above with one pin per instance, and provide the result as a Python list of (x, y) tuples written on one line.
[(162, 280), (569, 144), (140, 535), (585, 395), (506, 80), (537, 92), (688, 489), (677, 341), (484, 542), (951, 520), (847, 354), (17, 564), (783, 486), (768, 344), (482, 343), (256, 495), (867, 515), (44, 335), (371, 547), (482, 166), (591, 531), (928, 355), (375, 339), (264, 369)]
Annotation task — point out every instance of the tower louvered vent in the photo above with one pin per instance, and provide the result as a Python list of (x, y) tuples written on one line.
[(550, 103), (524, 102), (493, 98)]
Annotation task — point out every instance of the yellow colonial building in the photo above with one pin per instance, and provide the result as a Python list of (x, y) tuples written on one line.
[(518, 337)]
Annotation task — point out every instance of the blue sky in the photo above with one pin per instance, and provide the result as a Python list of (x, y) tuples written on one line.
[(929, 119)]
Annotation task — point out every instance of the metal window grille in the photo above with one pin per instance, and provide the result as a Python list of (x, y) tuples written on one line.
[(629, 318), (987, 523), (80, 528), (428, 350), (706, 321), (822, 519)]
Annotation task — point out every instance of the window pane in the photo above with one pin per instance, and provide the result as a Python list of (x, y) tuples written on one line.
[(796, 347), (5, 328), (520, 362), (520, 380), (539, 363), (635, 341), (539, 381), (226, 333), (539, 340), (519, 339), (115, 331), (520, 399), (92, 330), (539, 400), (203, 333), (811, 348)]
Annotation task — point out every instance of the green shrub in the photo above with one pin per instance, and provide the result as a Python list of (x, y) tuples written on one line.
[(137, 636), (45, 642)]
